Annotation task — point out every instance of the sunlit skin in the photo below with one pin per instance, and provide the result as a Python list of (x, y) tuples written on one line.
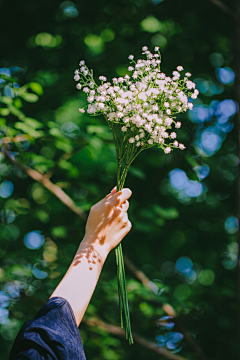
[(106, 226)]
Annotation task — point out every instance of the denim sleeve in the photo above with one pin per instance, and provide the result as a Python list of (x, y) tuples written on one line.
[(52, 335)]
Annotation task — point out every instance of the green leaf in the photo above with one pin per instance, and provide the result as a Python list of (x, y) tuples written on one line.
[(28, 130), (56, 132), (8, 78), (33, 123), (36, 87), (169, 213), (29, 97), (16, 112), (63, 145), (6, 100), (4, 111), (17, 103)]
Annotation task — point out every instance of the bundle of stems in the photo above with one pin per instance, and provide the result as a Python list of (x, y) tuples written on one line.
[(126, 153)]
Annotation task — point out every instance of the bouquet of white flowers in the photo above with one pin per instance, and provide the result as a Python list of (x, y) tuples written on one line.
[(140, 110)]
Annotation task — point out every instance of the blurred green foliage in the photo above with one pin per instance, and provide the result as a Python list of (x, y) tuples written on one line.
[(185, 245)]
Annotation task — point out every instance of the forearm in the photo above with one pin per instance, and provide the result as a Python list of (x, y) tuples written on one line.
[(79, 282), (106, 226)]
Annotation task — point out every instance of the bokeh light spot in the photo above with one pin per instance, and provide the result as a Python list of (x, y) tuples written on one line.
[(206, 277), (178, 179), (231, 224), (33, 240), (216, 59), (6, 189), (225, 75), (151, 24), (194, 188), (184, 265)]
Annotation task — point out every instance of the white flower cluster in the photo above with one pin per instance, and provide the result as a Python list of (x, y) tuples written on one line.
[(145, 104)]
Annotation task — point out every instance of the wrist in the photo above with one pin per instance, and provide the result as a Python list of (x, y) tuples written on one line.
[(94, 245)]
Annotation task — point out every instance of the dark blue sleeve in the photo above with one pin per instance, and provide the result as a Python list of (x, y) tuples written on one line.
[(52, 335)]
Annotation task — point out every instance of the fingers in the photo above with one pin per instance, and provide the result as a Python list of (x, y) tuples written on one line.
[(125, 229), (125, 218), (121, 196), (125, 206)]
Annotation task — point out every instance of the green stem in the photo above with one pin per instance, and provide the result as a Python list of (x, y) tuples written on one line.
[(121, 276)]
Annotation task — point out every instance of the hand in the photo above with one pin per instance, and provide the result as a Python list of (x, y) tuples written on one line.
[(108, 222)]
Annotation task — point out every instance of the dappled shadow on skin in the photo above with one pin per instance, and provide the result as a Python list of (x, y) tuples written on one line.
[(89, 254), (112, 210)]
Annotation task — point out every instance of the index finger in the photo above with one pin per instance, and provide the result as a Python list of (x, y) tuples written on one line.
[(123, 195)]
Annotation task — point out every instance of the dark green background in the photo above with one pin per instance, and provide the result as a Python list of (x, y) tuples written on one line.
[(165, 228)]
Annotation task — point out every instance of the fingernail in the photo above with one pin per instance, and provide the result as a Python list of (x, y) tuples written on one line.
[(114, 190)]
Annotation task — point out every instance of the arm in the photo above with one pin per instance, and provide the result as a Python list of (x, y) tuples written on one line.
[(106, 226)]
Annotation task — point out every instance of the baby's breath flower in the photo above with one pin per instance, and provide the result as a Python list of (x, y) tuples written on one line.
[(81, 111), (79, 86), (135, 75), (156, 48), (176, 74), (190, 85), (82, 62), (90, 99), (178, 125), (145, 104), (76, 77), (168, 121), (173, 135), (188, 74), (181, 147), (167, 150), (180, 68)]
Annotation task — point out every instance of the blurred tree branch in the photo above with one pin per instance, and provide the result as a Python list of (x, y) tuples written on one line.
[(42, 179), (167, 308), (224, 7), (64, 157), (137, 338)]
